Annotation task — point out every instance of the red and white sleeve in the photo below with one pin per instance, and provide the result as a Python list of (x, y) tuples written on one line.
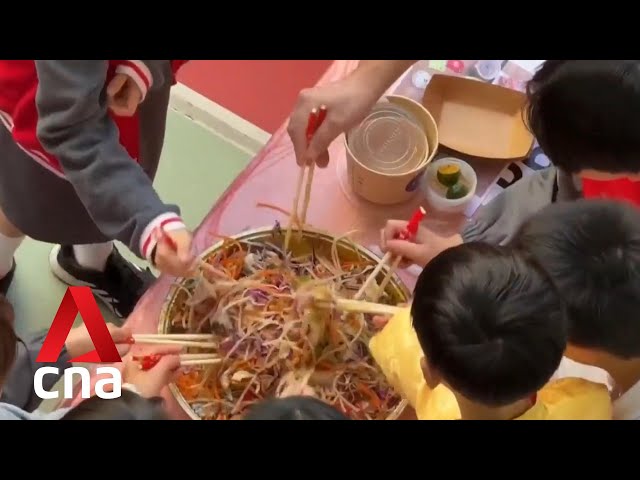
[(151, 234), (138, 71)]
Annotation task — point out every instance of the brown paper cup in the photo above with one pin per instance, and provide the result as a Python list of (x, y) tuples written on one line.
[(384, 186)]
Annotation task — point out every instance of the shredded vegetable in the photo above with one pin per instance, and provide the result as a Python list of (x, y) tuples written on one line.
[(248, 296)]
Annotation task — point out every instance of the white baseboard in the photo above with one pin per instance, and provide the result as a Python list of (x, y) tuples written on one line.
[(218, 119)]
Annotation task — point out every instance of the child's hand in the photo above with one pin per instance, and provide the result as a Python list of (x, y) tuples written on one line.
[(79, 341), (178, 262), (150, 383), (123, 95), (380, 321), (421, 250)]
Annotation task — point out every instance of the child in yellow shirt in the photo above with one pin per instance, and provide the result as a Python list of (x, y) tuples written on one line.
[(488, 333), (591, 251)]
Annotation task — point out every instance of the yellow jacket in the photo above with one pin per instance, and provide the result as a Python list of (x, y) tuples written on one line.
[(398, 353)]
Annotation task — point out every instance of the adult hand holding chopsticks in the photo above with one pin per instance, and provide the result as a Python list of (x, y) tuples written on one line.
[(420, 250), (347, 104), (348, 101)]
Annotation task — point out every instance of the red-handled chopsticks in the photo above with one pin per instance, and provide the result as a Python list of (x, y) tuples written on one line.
[(408, 234), (162, 235), (147, 362), (316, 117)]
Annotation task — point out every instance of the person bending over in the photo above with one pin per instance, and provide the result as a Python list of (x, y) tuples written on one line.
[(585, 114), (483, 336), (591, 251)]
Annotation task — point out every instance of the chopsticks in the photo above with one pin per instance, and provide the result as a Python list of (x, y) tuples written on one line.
[(316, 117), (147, 362), (199, 359), (358, 306), (186, 340), (408, 234)]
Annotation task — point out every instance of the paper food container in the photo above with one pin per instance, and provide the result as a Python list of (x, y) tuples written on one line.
[(478, 119), (388, 153)]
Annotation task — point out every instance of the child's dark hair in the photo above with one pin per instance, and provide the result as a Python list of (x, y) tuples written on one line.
[(591, 251), (8, 339), (130, 406), (586, 114), (294, 408), (490, 322)]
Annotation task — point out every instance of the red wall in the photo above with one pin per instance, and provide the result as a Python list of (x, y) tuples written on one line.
[(260, 91)]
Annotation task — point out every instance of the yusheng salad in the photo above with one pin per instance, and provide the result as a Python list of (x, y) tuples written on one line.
[(248, 295)]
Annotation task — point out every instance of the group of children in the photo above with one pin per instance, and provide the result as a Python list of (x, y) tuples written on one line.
[(546, 270), (489, 324)]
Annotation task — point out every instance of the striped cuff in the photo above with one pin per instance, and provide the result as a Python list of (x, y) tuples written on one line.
[(139, 73), (167, 222)]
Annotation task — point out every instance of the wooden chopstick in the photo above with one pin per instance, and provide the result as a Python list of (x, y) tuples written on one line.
[(198, 356), (322, 114), (358, 306), (299, 215), (294, 211), (174, 336), (203, 361), (383, 285), (307, 193), (371, 278), (159, 340)]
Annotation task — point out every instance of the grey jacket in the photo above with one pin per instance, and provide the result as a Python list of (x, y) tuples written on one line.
[(18, 397), (498, 222), (74, 127)]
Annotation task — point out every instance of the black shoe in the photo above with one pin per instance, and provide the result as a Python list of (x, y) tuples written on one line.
[(5, 282), (120, 286)]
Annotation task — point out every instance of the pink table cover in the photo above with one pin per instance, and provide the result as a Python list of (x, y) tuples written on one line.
[(271, 178)]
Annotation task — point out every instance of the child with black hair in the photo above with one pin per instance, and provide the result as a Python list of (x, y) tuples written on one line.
[(591, 251), (488, 333), (585, 114), (297, 407)]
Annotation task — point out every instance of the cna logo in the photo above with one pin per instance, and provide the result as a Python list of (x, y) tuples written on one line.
[(80, 300)]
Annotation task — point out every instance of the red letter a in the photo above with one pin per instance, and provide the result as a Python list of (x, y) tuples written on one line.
[(79, 299)]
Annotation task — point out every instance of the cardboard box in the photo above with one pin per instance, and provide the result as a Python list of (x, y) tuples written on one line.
[(477, 118), (387, 188)]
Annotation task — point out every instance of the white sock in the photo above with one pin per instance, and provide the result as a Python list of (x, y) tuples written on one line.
[(8, 247), (94, 255)]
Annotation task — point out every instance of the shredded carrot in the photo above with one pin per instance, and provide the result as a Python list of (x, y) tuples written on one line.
[(324, 365), (364, 389), (263, 337)]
